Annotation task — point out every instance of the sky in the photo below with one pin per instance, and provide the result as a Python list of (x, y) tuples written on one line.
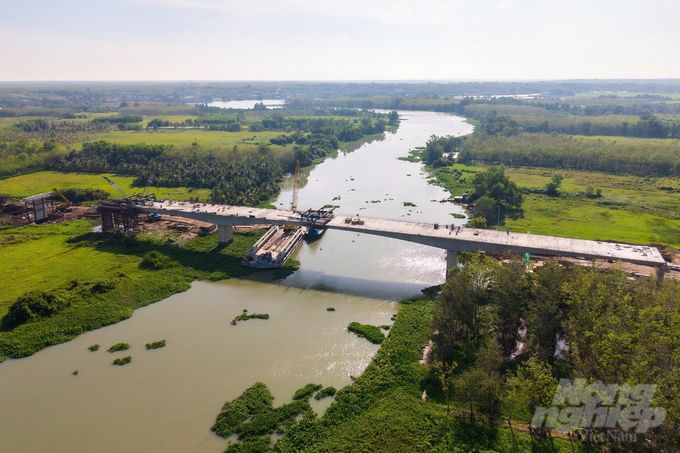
[(338, 39)]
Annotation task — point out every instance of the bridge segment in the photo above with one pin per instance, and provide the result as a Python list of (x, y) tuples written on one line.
[(447, 237)]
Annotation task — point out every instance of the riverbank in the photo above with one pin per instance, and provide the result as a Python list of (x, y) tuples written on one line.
[(101, 279), (383, 409)]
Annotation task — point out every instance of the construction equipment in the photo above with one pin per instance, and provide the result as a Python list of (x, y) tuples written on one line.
[(296, 186), (152, 216), (67, 203), (113, 184)]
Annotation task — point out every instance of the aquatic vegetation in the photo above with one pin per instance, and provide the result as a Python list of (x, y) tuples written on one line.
[(328, 391), (367, 331), (245, 316), (385, 327), (122, 361), (305, 392), (408, 203), (119, 347), (75, 373), (155, 344), (255, 400), (215, 276), (94, 347), (330, 309), (457, 216)]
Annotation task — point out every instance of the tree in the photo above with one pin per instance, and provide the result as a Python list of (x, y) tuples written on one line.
[(496, 185), (485, 207), (456, 319), (511, 290), (444, 373), (434, 150), (554, 184), (123, 104)]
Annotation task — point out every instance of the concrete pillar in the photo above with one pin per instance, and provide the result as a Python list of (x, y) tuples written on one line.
[(660, 273), (451, 260), (225, 234)]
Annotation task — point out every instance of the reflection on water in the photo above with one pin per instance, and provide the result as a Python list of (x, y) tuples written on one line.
[(165, 400)]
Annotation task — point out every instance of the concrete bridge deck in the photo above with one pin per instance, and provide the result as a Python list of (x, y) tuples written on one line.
[(465, 239)]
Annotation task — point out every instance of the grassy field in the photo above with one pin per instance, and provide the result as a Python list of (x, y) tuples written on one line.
[(70, 261), (632, 208), (45, 181)]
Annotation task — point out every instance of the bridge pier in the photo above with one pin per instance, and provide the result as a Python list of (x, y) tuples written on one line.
[(451, 260), (225, 234)]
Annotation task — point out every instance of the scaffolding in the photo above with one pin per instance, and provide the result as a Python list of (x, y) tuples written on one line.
[(117, 215)]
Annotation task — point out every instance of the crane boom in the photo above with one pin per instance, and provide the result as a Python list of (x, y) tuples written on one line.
[(296, 187), (67, 202), (120, 191)]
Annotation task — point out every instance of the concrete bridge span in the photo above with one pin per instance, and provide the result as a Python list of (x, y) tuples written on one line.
[(453, 240)]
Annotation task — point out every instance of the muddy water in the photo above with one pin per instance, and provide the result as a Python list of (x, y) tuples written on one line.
[(165, 400), (369, 180)]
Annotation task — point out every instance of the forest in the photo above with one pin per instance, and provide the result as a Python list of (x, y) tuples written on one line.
[(237, 182), (618, 330), (631, 156)]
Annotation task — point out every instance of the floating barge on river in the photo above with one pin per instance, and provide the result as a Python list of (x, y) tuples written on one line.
[(275, 247)]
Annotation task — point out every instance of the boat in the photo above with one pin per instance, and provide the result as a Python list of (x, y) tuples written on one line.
[(314, 233)]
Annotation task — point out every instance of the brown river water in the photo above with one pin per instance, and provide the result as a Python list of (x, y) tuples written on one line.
[(165, 400)]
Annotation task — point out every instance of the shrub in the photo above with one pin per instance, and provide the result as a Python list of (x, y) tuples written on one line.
[(367, 331), (34, 305), (119, 347), (305, 392), (157, 260), (328, 391), (123, 361), (215, 276), (104, 286), (155, 344), (94, 347)]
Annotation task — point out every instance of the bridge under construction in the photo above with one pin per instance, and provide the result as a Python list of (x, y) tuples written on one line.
[(446, 237)]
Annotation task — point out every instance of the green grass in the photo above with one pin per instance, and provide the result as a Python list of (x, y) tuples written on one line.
[(102, 277), (632, 209), (45, 181)]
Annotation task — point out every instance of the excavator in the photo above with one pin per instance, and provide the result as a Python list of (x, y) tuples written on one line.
[(66, 207)]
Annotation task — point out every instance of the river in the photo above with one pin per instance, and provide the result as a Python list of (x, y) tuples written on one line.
[(165, 400)]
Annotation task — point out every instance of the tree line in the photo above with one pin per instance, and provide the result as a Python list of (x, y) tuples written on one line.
[(242, 182), (504, 335), (645, 126), (633, 156)]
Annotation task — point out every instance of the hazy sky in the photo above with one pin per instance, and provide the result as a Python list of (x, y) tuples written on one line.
[(338, 39)]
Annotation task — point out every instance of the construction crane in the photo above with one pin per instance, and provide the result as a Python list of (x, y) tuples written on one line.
[(120, 191), (148, 182), (296, 190), (67, 203), (296, 187)]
